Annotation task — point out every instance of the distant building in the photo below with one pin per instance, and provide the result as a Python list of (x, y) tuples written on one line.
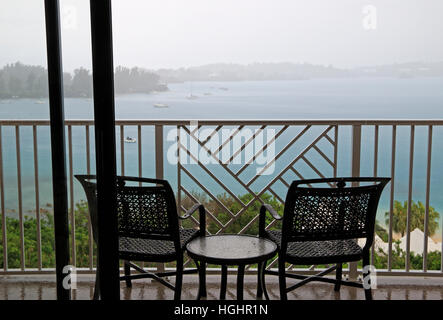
[(417, 242)]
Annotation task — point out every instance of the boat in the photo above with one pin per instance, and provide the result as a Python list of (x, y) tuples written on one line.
[(130, 140), (208, 94), (223, 88), (160, 105), (39, 102), (191, 97)]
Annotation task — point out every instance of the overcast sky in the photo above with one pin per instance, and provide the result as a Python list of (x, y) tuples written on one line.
[(182, 33)]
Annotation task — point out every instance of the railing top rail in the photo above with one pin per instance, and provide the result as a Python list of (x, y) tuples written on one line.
[(173, 122)]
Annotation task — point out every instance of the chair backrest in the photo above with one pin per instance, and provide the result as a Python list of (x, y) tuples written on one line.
[(333, 212), (143, 211), (90, 187), (147, 211)]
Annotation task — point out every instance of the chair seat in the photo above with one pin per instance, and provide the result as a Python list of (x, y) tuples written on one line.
[(139, 249), (318, 252)]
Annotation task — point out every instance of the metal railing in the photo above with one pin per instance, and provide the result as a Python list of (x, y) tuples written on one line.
[(290, 136)]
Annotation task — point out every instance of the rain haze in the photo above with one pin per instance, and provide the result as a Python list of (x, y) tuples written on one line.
[(176, 33), (273, 90)]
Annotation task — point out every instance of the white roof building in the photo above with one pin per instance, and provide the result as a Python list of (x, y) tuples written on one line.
[(417, 243), (379, 244)]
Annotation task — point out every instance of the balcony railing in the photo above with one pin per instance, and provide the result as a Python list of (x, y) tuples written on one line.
[(232, 165)]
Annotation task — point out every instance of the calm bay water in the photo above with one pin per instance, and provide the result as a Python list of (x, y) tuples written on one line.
[(377, 98)]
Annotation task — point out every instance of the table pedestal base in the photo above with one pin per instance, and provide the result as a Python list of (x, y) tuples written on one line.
[(261, 288)]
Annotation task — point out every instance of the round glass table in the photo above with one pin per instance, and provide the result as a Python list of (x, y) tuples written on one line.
[(237, 250)]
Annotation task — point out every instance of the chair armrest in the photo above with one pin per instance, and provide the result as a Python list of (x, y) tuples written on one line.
[(271, 210), (202, 216), (190, 211), (262, 218)]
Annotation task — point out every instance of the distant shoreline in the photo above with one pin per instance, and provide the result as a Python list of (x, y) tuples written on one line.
[(18, 80), (165, 88)]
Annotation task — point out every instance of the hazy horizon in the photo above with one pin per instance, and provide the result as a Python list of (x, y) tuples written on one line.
[(231, 63), (173, 34)]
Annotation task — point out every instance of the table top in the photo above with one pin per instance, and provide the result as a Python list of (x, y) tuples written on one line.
[(231, 249)]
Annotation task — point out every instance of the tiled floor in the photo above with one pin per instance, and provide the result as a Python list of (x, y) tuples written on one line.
[(389, 288)]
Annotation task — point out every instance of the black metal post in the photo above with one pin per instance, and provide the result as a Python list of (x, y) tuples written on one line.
[(104, 115), (59, 179)]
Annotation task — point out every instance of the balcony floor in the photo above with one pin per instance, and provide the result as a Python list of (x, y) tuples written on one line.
[(42, 287)]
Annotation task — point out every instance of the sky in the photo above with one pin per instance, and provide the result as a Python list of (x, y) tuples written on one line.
[(183, 33)]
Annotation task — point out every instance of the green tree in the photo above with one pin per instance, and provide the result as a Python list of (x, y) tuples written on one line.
[(2, 85), (400, 213), (30, 83), (235, 223), (82, 83), (381, 232)]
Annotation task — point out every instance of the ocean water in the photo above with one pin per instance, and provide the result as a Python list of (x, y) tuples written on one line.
[(365, 98)]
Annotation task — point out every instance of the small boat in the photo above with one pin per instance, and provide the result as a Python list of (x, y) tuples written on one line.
[(130, 140), (191, 97), (223, 88), (208, 94), (39, 102), (161, 105)]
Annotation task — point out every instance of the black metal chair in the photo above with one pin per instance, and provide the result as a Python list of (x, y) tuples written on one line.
[(320, 226), (148, 228)]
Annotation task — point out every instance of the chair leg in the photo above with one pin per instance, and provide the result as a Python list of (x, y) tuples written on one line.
[(178, 279), (366, 273), (282, 279), (263, 282), (240, 281), (203, 279), (259, 279), (127, 274), (224, 280), (201, 266), (338, 275)]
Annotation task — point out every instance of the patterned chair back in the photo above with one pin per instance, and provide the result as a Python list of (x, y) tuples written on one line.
[(143, 211), (332, 213), (147, 211), (90, 187)]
